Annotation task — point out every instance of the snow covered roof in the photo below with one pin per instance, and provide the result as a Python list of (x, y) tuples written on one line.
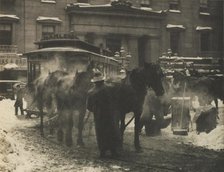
[(203, 28), (170, 26), (110, 6), (52, 19), (65, 49), (9, 16)]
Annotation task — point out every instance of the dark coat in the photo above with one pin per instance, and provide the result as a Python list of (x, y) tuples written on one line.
[(106, 121), (19, 98)]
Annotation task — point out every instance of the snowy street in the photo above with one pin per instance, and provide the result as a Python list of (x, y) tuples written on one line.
[(22, 149)]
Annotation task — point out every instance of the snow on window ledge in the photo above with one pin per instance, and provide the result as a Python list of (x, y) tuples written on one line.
[(204, 28), (146, 8), (204, 14), (170, 26), (49, 1), (175, 11)]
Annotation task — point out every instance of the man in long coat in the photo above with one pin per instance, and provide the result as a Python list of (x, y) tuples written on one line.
[(19, 100), (106, 120)]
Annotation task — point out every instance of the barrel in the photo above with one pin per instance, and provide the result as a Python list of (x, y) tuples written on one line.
[(180, 115)]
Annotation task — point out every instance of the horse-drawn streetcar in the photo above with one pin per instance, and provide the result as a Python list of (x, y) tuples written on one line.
[(68, 54)]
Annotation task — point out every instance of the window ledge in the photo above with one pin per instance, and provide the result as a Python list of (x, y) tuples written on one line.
[(204, 14), (48, 1), (175, 11)]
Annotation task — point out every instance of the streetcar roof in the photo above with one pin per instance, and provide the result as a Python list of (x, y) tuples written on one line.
[(12, 81), (66, 49)]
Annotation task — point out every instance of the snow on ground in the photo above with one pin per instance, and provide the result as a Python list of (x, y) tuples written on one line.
[(14, 155)]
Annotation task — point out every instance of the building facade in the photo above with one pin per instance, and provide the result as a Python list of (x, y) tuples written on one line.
[(144, 29)]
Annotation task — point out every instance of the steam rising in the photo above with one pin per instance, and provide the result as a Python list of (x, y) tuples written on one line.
[(50, 86)]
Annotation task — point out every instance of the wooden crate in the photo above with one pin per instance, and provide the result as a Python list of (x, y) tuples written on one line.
[(180, 115)]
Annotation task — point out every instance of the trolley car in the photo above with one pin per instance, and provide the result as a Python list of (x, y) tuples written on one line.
[(69, 54)]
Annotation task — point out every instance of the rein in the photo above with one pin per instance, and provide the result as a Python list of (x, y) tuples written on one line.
[(129, 121)]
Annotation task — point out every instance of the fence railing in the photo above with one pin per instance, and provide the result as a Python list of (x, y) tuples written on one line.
[(8, 49)]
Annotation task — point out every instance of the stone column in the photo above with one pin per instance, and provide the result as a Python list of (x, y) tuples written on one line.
[(133, 48), (155, 49)]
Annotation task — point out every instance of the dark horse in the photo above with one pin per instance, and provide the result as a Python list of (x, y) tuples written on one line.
[(122, 98)]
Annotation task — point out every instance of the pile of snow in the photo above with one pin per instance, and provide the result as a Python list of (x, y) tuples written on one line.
[(13, 157), (7, 118), (5, 150), (213, 140)]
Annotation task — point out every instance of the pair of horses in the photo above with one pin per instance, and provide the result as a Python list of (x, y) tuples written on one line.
[(60, 94), (73, 96)]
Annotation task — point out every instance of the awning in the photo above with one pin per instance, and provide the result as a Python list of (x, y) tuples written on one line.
[(172, 26), (203, 28), (8, 17), (10, 66), (49, 19)]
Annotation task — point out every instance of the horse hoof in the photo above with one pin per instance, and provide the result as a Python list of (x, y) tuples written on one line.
[(139, 150), (114, 155), (69, 144), (80, 143), (102, 155), (60, 136)]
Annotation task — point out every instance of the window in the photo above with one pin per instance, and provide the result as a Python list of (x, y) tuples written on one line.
[(5, 34), (204, 41), (203, 6), (113, 44), (174, 5), (48, 30), (145, 3), (89, 37), (174, 41), (82, 1)]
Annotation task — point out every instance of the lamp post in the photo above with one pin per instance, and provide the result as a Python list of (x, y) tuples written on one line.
[(123, 58), (169, 53)]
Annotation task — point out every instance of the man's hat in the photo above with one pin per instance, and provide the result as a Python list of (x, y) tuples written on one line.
[(98, 76)]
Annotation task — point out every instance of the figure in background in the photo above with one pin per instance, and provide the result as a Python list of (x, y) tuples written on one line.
[(19, 100)]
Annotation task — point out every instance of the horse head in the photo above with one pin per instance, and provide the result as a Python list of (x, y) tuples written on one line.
[(153, 77), (53, 77), (179, 76)]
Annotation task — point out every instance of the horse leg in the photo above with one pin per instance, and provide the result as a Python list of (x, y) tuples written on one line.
[(69, 126), (60, 133), (159, 122), (136, 137), (80, 127), (122, 128), (41, 122), (216, 102)]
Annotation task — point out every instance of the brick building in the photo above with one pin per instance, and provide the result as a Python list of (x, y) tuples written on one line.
[(144, 28)]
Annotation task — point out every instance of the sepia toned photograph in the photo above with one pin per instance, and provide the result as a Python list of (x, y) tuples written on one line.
[(111, 86)]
